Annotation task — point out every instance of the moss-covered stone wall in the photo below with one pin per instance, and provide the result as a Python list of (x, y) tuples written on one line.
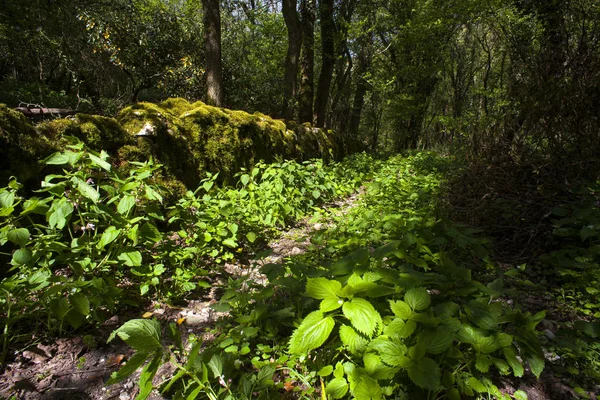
[(187, 138)]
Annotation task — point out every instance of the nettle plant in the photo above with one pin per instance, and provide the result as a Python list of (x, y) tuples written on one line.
[(396, 331)]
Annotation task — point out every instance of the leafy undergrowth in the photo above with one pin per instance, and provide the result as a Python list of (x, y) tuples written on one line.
[(383, 305)]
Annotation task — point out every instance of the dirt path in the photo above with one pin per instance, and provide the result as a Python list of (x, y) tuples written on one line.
[(77, 367)]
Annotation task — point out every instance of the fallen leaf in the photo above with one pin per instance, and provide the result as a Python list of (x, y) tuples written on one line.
[(147, 314), (288, 386), (180, 320)]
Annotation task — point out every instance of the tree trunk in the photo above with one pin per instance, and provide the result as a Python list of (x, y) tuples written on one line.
[(307, 61), (364, 62), (328, 52), (292, 22), (212, 48)]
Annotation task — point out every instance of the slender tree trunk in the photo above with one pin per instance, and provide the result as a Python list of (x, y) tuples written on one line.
[(328, 57), (212, 47), (307, 61), (292, 57), (364, 62)]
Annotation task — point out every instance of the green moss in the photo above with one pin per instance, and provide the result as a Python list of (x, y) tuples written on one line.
[(21, 147)]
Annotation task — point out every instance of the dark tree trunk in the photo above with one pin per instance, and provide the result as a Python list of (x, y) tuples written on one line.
[(292, 57), (212, 47), (328, 54), (364, 63), (307, 61)]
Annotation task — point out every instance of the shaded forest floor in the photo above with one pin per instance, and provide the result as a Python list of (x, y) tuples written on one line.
[(400, 201)]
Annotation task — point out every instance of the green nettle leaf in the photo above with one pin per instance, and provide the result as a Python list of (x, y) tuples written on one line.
[(502, 366), (355, 342), (537, 365), (312, 333), (87, 191), (476, 385), (418, 299), (131, 258), (392, 353), (362, 315), (20, 236), (401, 309), (426, 374), (337, 388), (325, 371), (141, 334), (108, 236), (401, 329), (80, 303), (513, 361), (483, 363), (376, 368), (126, 204), (437, 341), (479, 313), (520, 395), (367, 388), (322, 288), (330, 304)]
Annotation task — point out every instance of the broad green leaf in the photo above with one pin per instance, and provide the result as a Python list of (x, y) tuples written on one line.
[(316, 194), (483, 363), (376, 368), (21, 257), (514, 363), (245, 179), (125, 204), (59, 213), (453, 394), (128, 369), (339, 370), (392, 353), (80, 303), (141, 334), (502, 366), (109, 235), (20, 236), (59, 307), (337, 388), (537, 365), (325, 371), (480, 314), (438, 340), (355, 342), (426, 374), (322, 288), (87, 191), (362, 315), (400, 328), (99, 162), (520, 395), (312, 333), (7, 199), (418, 299), (592, 329), (330, 304), (401, 309), (230, 242), (58, 159), (131, 258), (476, 385), (251, 236), (146, 377), (367, 389)]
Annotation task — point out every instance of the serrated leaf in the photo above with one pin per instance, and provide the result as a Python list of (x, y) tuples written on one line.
[(480, 314), (418, 299), (502, 366), (330, 304), (483, 363), (367, 389), (362, 315), (312, 333), (20, 236), (401, 309), (322, 288), (401, 329), (437, 341), (426, 374), (476, 385), (392, 353), (376, 368), (141, 334), (131, 258), (337, 388), (514, 363), (355, 342), (125, 204), (537, 365)]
